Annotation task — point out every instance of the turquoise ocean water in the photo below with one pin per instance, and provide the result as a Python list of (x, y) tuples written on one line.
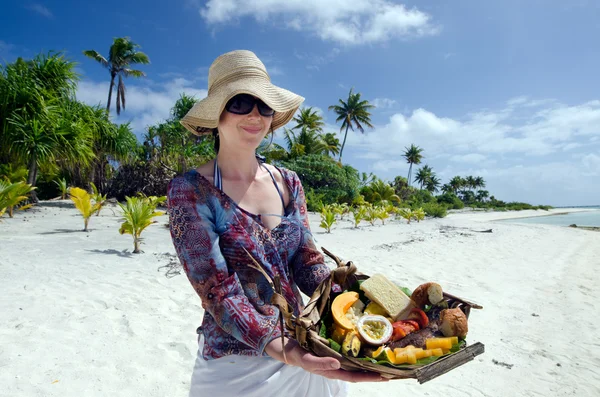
[(587, 218)]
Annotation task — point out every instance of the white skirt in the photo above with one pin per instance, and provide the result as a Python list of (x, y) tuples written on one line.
[(258, 377)]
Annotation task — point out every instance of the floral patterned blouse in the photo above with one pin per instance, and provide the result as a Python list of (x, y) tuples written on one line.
[(209, 231)]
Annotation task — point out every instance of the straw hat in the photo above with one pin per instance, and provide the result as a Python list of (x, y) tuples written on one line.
[(233, 73)]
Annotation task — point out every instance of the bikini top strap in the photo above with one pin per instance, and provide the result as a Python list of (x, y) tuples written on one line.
[(218, 180)]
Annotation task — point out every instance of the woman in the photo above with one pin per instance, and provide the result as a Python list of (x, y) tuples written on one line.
[(236, 206)]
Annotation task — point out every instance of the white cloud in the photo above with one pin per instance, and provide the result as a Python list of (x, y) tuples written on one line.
[(468, 158), (536, 133), (345, 22), (383, 103), (42, 10), (592, 164), (146, 104)]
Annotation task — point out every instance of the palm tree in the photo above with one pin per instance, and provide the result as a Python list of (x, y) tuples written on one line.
[(413, 156), (33, 142), (433, 183), (456, 184), (479, 182), (482, 195), (332, 143), (353, 113), (423, 175), (309, 118), (122, 53), (304, 142), (470, 182)]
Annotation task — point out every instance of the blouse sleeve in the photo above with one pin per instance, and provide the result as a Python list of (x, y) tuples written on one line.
[(308, 265), (192, 223)]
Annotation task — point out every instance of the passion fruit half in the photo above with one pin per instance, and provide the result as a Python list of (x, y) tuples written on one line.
[(374, 329)]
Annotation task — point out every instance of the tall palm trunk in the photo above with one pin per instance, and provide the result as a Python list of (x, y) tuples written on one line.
[(409, 173), (344, 143), (32, 176), (110, 90)]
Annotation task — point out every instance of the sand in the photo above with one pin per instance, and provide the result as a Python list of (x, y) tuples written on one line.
[(83, 316)]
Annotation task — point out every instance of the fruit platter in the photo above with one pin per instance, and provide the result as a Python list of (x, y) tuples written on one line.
[(371, 324)]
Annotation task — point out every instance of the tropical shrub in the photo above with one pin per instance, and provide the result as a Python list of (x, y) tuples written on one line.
[(327, 218), (324, 175), (141, 177), (83, 202), (451, 200), (314, 201), (137, 216), (435, 210)]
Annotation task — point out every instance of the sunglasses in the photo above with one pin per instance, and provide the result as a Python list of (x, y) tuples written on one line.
[(244, 104)]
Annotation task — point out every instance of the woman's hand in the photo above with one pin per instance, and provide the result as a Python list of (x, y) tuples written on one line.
[(328, 367)]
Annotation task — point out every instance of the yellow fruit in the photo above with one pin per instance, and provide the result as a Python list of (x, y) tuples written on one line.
[(338, 334), (434, 343), (406, 357), (384, 354), (437, 352), (374, 308)]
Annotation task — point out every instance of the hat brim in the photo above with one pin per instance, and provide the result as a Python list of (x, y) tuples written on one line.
[(204, 116)]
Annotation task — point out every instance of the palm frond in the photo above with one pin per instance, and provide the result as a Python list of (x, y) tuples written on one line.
[(95, 55)]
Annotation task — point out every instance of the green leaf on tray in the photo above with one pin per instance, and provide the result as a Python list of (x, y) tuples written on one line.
[(334, 345), (406, 291), (323, 330)]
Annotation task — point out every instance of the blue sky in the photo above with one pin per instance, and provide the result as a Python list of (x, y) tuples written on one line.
[(508, 90)]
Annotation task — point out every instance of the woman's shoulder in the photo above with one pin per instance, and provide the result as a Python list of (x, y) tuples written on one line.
[(283, 174), (194, 181)]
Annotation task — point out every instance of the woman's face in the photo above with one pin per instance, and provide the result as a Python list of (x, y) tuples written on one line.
[(246, 130)]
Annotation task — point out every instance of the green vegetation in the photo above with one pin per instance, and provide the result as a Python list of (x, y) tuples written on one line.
[(52, 145), (83, 202), (137, 216)]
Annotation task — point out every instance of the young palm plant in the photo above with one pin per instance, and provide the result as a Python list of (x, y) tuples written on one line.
[(83, 202), (371, 214), (419, 214), (98, 198), (137, 216), (327, 218), (12, 194), (359, 213), (62, 187), (406, 213), (382, 214)]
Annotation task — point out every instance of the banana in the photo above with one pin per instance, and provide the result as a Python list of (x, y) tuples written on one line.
[(351, 344)]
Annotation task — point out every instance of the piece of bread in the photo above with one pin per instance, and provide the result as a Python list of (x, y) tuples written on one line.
[(453, 322), (427, 294), (387, 295)]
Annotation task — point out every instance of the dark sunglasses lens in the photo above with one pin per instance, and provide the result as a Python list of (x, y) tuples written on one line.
[(264, 110), (240, 104)]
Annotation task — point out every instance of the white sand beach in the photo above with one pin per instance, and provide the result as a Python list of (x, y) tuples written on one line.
[(83, 316)]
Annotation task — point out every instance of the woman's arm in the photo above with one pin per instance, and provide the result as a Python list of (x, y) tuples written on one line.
[(192, 224), (308, 265), (328, 367)]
